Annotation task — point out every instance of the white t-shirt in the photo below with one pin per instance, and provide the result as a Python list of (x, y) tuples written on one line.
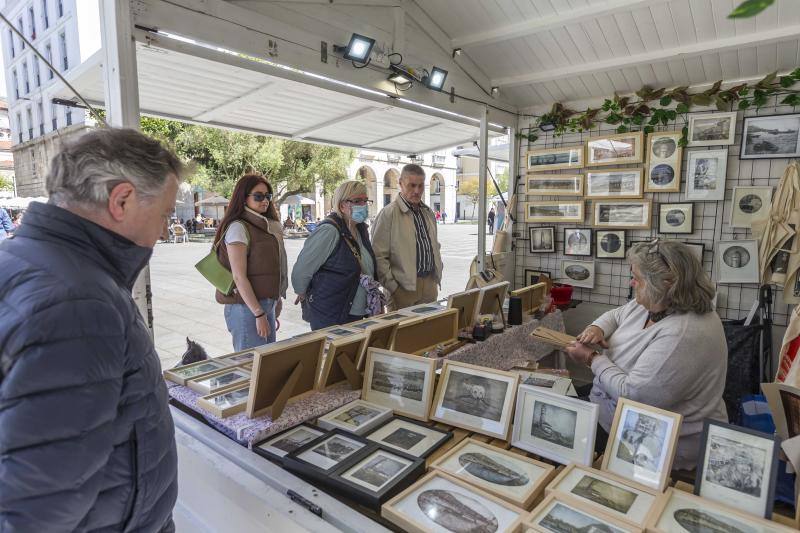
[(236, 232)]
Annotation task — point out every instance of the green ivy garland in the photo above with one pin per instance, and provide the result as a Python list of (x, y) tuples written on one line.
[(661, 106)]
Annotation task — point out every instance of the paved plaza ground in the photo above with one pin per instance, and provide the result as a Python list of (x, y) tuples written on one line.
[(184, 305)]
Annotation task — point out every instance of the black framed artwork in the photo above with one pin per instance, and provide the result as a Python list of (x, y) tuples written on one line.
[(610, 244), (532, 277), (542, 239)]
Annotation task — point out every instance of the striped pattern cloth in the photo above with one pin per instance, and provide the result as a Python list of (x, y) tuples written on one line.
[(425, 264)]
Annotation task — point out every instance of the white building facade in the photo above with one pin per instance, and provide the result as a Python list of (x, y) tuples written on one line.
[(6, 157), (66, 33)]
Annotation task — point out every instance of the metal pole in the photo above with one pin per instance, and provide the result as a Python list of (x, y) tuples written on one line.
[(483, 160)]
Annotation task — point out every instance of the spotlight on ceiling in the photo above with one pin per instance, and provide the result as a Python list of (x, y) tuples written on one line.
[(457, 52), (436, 79), (400, 76), (358, 49), (495, 91), (547, 126)]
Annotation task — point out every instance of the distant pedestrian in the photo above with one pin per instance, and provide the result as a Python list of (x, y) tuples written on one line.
[(490, 221), (444, 217), (438, 216), (6, 224)]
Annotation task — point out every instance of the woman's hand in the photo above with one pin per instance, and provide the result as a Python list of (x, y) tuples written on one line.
[(278, 307), (300, 298), (580, 353), (262, 326), (593, 335)]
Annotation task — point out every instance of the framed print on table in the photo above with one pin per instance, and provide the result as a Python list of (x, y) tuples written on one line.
[(712, 129), (555, 158), (737, 261), (409, 437), (564, 211), (675, 218), (357, 417), (542, 239), (557, 427), (622, 214), (227, 402), (555, 184), (277, 446), (577, 241), (610, 244), (604, 491), (614, 183), (664, 155), (326, 453), (440, 502), (399, 381), (205, 367), (770, 137), (578, 273), (217, 381), (562, 513), (738, 467), (476, 398), (705, 174), (515, 478), (614, 149), (642, 444), (749, 204)]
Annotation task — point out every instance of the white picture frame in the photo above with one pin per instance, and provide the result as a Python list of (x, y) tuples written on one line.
[(554, 185), (705, 174), (712, 129), (622, 214), (749, 204), (737, 261), (399, 381), (538, 415), (357, 417), (578, 273)]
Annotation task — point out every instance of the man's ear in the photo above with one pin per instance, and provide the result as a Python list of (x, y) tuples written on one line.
[(118, 200)]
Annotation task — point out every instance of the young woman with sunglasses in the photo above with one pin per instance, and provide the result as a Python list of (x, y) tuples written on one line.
[(250, 239)]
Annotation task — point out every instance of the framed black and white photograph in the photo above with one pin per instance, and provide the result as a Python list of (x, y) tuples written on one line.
[(357, 417), (610, 244), (326, 453), (698, 249), (712, 129), (440, 502), (196, 370), (738, 467), (542, 239), (227, 402), (560, 211), (771, 137), (614, 183), (409, 437), (399, 381), (642, 444), (663, 169), (277, 446), (553, 383), (622, 214), (606, 492), (562, 513), (555, 158), (476, 398), (517, 479), (577, 241), (555, 184), (705, 174), (557, 427), (577, 273), (532, 277), (223, 379), (750, 204), (614, 149), (737, 261), (676, 218)]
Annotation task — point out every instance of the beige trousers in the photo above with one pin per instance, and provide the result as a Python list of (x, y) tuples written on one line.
[(426, 292)]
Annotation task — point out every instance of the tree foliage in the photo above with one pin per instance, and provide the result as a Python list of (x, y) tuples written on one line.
[(6, 183)]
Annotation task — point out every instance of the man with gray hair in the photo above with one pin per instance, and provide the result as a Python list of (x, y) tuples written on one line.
[(406, 246), (86, 437)]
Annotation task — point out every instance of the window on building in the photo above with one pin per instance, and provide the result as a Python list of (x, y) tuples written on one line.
[(16, 82), (48, 53), (19, 126), (69, 116), (60, 8), (40, 109), (21, 28), (37, 79), (62, 38), (11, 46), (54, 115), (45, 17), (25, 79), (32, 23), (29, 116)]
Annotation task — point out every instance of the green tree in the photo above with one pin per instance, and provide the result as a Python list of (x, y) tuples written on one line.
[(6, 183), (469, 188)]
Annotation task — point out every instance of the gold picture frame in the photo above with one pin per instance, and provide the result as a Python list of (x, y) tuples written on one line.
[(628, 181), (421, 334), (380, 336), (554, 158), (615, 149), (339, 362), (181, 374), (664, 156), (532, 296), (215, 382), (227, 402), (554, 211), (467, 304), (554, 184), (620, 219), (395, 386), (564, 508)]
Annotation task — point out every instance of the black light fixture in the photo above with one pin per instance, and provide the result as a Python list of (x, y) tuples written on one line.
[(399, 75), (435, 80), (495, 91), (547, 126), (456, 52), (358, 49)]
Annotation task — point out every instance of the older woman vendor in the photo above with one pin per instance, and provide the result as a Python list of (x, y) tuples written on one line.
[(666, 348)]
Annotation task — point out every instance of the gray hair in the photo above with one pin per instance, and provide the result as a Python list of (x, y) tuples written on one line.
[(345, 191), (673, 276), (86, 169), (412, 169)]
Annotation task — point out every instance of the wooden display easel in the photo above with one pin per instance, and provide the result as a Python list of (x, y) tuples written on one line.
[(340, 362)]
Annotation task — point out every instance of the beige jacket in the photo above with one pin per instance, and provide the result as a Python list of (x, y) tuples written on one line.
[(394, 241)]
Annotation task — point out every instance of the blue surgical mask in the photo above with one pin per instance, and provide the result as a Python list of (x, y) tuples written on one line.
[(359, 213)]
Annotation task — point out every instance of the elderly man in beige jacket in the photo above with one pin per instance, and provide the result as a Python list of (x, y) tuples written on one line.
[(405, 244)]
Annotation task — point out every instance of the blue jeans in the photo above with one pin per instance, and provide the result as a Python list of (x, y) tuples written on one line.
[(242, 324)]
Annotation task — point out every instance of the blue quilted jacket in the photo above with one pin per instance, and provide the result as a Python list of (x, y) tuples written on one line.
[(86, 438)]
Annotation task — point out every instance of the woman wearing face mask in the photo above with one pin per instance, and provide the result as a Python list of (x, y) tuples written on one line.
[(253, 251), (334, 276)]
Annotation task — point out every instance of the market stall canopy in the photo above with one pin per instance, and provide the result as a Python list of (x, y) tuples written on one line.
[(497, 152), (213, 201), (296, 199)]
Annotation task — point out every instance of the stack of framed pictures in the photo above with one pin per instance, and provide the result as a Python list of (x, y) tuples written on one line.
[(664, 155), (357, 417), (562, 513)]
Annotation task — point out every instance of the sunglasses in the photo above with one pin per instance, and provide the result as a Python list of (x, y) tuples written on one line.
[(260, 196), (653, 249)]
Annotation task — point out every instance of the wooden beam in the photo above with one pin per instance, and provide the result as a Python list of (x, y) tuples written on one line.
[(238, 102)]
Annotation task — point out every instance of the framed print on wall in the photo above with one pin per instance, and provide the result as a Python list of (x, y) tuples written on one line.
[(750, 204), (738, 467), (614, 149), (565, 211), (614, 183), (578, 273), (400, 381), (770, 137), (664, 155), (577, 241), (705, 174), (555, 158), (712, 129), (642, 444), (737, 261), (532, 276), (555, 184), (610, 244), (542, 239), (623, 214), (675, 218)]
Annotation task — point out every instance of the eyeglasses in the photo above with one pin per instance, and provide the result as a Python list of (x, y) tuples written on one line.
[(260, 196), (653, 249), (360, 202)]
